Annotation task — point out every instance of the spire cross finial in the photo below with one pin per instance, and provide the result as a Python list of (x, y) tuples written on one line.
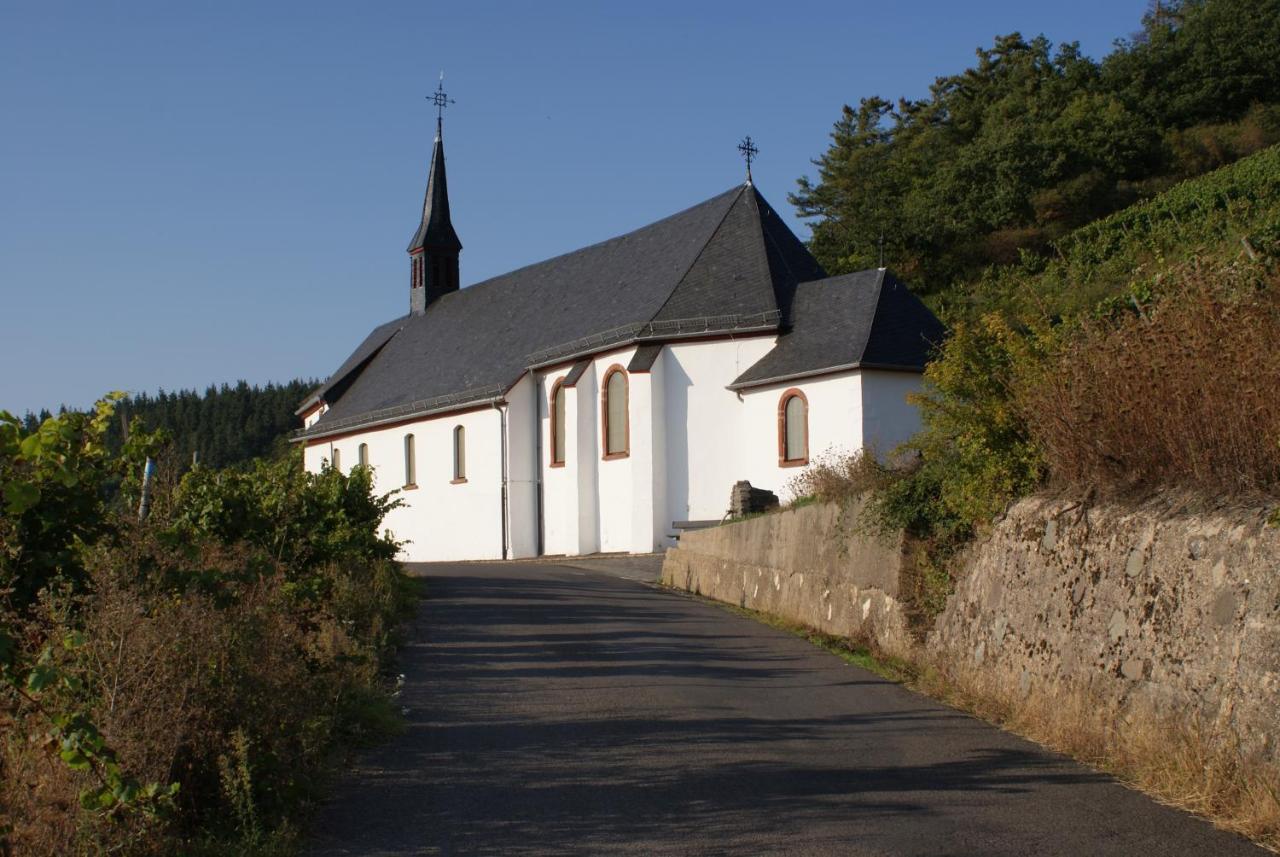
[(441, 101), (749, 151)]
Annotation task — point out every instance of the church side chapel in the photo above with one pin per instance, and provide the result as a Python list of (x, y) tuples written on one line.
[(586, 403)]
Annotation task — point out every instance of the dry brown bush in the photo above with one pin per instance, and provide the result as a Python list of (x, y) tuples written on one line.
[(837, 477), (1185, 393)]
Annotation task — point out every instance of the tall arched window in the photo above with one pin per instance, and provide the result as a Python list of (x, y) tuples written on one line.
[(557, 424), (410, 463), (362, 455), (616, 410), (793, 429), (337, 459), (459, 454)]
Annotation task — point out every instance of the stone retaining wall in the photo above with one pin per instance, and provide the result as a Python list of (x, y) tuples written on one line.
[(806, 565), (1178, 610)]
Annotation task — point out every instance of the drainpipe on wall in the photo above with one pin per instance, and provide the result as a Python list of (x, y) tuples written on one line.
[(502, 417)]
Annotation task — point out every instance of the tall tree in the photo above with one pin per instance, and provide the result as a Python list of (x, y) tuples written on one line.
[(1033, 141)]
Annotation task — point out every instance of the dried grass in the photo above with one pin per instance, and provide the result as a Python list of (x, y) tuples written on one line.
[(1186, 763), (839, 477), (1185, 393)]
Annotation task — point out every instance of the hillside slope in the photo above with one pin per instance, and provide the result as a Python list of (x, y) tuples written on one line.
[(1231, 211)]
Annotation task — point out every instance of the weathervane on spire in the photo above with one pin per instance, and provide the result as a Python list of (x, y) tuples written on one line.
[(749, 151), (441, 101)]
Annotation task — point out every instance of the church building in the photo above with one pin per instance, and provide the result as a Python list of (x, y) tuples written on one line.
[(586, 403)]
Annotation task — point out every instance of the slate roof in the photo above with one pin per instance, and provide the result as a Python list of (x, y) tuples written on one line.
[(729, 263), (864, 320)]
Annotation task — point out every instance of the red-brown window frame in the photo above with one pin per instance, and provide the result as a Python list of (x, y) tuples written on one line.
[(606, 455), (554, 435), (787, 396)]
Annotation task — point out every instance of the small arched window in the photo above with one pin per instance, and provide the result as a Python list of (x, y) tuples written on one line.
[(793, 429), (617, 432), (362, 455), (557, 424), (410, 463), (337, 459), (459, 454)]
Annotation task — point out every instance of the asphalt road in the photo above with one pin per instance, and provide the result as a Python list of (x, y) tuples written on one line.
[(578, 710)]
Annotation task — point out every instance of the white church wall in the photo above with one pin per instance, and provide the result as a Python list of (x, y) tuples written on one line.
[(835, 425), (440, 520), (313, 416), (888, 418), (559, 483), (660, 516), (690, 439), (522, 469), (644, 436), (584, 428), (706, 436), (314, 457), (613, 484)]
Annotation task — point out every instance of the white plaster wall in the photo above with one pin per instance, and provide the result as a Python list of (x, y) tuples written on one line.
[(640, 532), (311, 418), (559, 484), (706, 433), (584, 427), (659, 523), (439, 520), (690, 440), (835, 426), (613, 486), (888, 419), (588, 504), (522, 469)]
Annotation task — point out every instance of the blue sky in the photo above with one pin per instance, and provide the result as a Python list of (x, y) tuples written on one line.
[(196, 193)]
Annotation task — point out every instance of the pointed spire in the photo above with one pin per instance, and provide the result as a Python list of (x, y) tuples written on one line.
[(433, 252), (436, 232)]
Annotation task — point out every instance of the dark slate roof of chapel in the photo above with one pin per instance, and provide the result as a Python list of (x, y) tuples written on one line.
[(863, 320), (729, 263)]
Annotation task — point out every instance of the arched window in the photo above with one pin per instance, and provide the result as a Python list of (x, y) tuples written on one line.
[(557, 424), (362, 455), (410, 463), (617, 431), (337, 459), (459, 454), (793, 429)]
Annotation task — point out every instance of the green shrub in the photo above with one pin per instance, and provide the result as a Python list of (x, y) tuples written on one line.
[(197, 672), (976, 454), (300, 519)]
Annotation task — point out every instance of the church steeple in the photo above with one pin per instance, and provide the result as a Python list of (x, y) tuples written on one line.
[(433, 252)]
